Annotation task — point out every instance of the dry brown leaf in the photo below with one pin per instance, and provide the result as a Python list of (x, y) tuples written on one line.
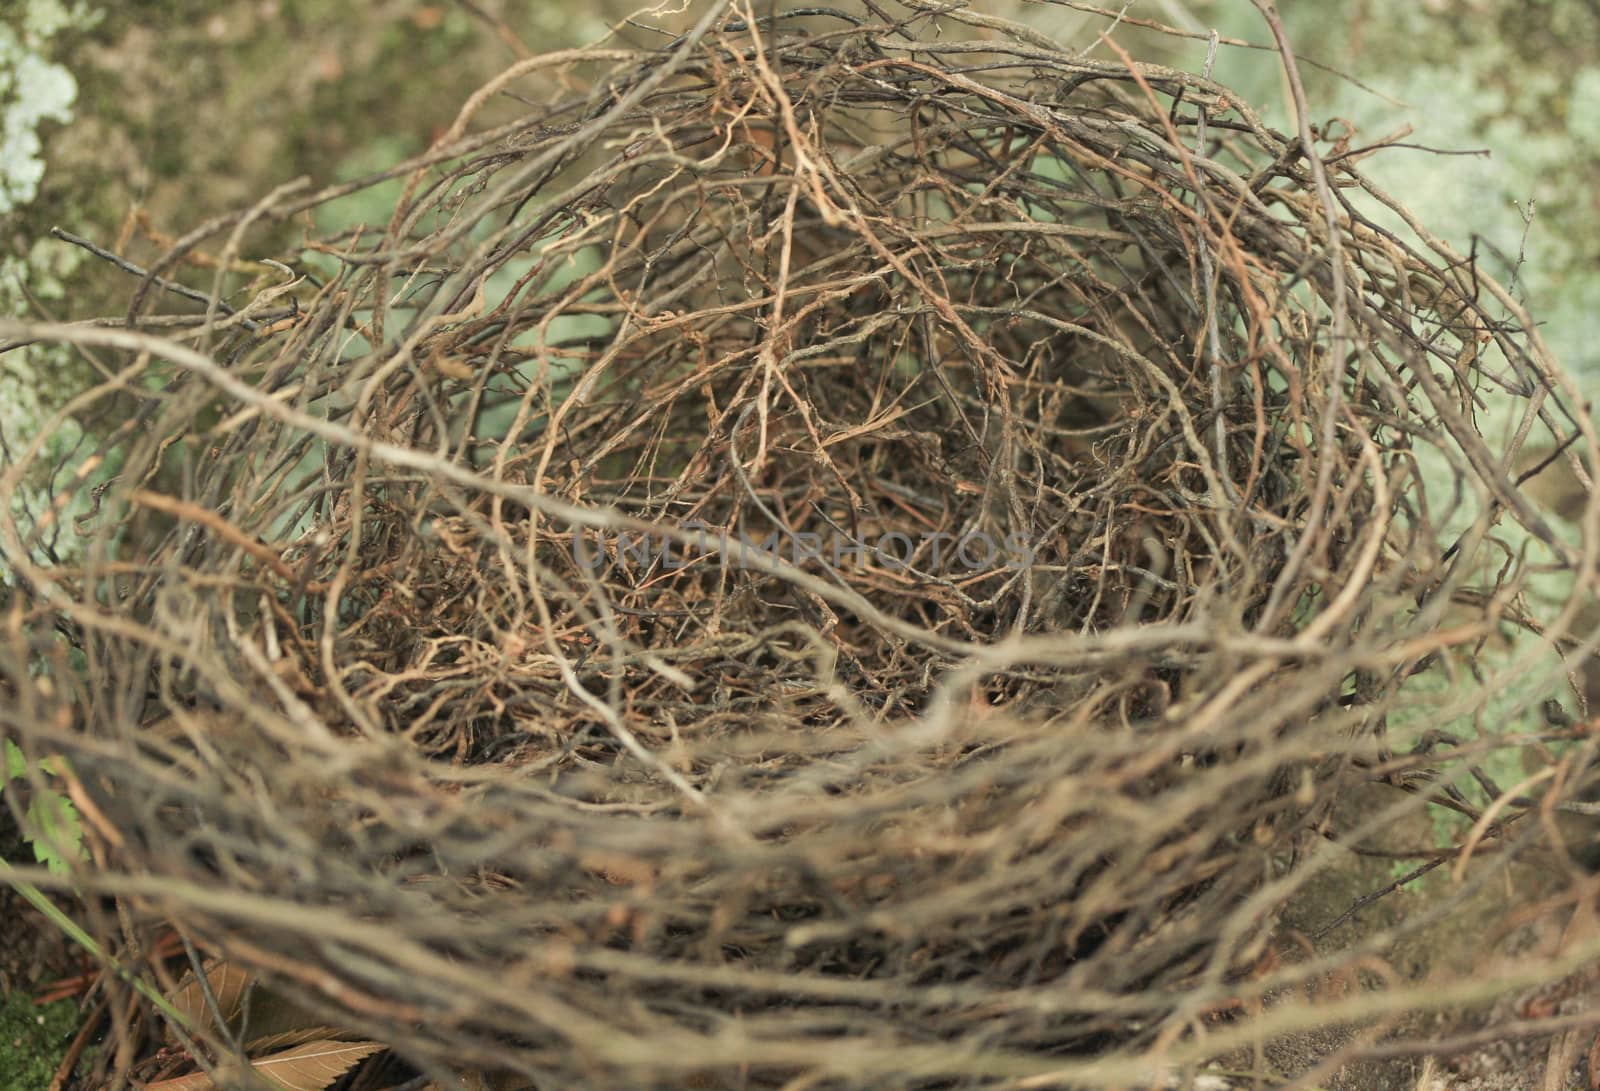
[(313, 1066), (266, 1043), (197, 1081), (274, 1022), (273, 1016), (228, 985)]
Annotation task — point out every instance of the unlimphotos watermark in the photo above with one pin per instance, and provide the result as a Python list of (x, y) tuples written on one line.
[(896, 551)]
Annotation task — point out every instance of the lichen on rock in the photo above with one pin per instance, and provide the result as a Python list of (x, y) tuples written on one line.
[(33, 89)]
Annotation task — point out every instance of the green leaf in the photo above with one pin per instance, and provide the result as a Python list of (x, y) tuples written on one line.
[(58, 833), (17, 763), (54, 826)]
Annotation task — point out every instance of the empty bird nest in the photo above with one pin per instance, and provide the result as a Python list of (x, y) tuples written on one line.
[(834, 554)]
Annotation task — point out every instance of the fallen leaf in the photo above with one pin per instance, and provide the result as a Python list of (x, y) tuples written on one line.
[(315, 1065), (228, 984), (310, 1067)]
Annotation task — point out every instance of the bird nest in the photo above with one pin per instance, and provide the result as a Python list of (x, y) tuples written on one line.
[(827, 555)]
